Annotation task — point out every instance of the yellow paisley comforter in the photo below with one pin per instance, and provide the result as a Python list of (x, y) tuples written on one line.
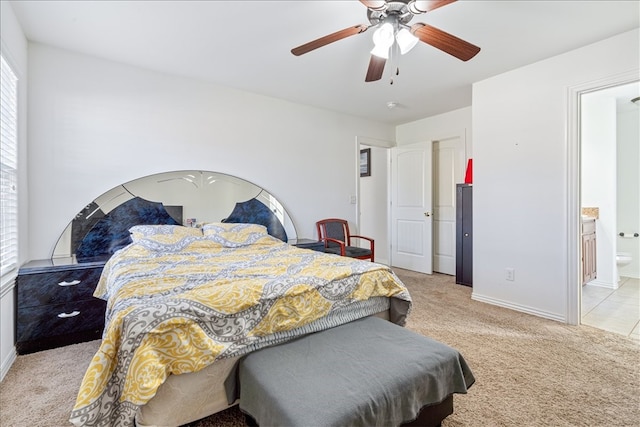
[(175, 311)]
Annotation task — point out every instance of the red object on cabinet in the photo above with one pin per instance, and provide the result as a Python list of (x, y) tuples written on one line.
[(468, 178)]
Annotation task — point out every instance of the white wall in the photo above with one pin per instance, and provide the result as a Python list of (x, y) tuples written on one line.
[(94, 124), (436, 128), (521, 174), (628, 197), (598, 180), (14, 49)]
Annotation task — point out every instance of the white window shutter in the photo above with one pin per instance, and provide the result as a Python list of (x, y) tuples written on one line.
[(8, 169)]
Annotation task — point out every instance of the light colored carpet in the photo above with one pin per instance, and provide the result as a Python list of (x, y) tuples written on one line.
[(529, 371)]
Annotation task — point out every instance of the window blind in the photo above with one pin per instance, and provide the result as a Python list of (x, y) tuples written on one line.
[(8, 168)]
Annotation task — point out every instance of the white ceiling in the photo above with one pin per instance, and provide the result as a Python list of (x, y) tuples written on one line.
[(246, 45)]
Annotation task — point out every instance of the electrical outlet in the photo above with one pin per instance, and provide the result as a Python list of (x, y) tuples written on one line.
[(510, 274), (353, 200)]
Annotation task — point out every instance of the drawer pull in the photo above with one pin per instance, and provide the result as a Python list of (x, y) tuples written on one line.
[(67, 315), (72, 283)]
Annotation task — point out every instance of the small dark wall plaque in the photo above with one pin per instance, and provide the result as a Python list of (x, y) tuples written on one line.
[(365, 162)]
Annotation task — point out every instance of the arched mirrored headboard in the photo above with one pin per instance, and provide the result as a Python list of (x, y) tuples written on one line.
[(187, 197)]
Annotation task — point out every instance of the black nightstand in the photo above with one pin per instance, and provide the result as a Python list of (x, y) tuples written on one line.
[(55, 305), (314, 245)]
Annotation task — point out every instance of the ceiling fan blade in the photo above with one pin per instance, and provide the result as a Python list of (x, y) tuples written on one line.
[(445, 42), (376, 67), (375, 4), (428, 6), (323, 41)]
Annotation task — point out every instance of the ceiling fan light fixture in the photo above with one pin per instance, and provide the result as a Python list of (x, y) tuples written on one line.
[(382, 40), (391, 18), (380, 52), (406, 40), (383, 36), (417, 7)]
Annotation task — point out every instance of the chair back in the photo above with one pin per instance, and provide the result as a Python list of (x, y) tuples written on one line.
[(337, 239), (334, 228)]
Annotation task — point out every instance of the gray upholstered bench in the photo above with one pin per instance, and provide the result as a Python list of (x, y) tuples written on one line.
[(369, 372)]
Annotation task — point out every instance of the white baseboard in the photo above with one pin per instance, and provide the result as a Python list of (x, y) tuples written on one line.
[(517, 307), (603, 284), (7, 363)]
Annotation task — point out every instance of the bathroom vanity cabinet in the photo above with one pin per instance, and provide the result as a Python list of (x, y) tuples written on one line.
[(588, 250)]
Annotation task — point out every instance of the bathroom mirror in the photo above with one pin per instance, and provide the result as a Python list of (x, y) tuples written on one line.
[(189, 198)]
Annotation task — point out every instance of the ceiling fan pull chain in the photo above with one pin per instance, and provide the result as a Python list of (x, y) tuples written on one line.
[(394, 60)]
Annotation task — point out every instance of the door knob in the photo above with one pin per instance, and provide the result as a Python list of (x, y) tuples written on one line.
[(427, 214)]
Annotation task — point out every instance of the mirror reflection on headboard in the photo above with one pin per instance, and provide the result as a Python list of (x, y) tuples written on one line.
[(187, 197)]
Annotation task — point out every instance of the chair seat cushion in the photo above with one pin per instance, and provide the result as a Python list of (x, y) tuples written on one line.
[(350, 251)]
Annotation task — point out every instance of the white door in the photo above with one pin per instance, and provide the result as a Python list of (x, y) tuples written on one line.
[(448, 170), (411, 212)]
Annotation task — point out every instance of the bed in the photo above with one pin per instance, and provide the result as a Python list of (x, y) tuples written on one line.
[(184, 304)]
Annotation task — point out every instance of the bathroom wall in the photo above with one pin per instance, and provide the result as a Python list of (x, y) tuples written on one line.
[(598, 180), (628, 179), (610, 131)]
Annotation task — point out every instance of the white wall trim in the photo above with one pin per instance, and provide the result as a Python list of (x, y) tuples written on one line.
[(378, 145), (517, 307), (8, 283), (574, 247), (357, 183), (364, 140), (6, 290), (574, 244), (601, 284), (7, 363)]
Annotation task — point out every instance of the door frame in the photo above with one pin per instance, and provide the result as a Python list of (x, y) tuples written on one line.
[(573, 208), (379, 143)]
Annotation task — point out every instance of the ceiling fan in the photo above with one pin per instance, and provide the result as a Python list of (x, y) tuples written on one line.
[(392, 18)]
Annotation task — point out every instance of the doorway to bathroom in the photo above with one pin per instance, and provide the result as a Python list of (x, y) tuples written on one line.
[(609, 131)]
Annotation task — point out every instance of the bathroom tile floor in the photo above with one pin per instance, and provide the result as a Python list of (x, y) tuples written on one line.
[(614, 310)]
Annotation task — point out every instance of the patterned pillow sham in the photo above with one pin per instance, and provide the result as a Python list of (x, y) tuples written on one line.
[(165, 237), (235, 235)]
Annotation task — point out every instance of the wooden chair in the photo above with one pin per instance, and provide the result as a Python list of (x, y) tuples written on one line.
[(335, 234)]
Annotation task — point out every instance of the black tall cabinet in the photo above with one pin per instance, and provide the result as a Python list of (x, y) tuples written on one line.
[(464, 234)]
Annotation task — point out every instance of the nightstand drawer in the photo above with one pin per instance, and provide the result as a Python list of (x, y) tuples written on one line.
[(59, 319), (57, 287)]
